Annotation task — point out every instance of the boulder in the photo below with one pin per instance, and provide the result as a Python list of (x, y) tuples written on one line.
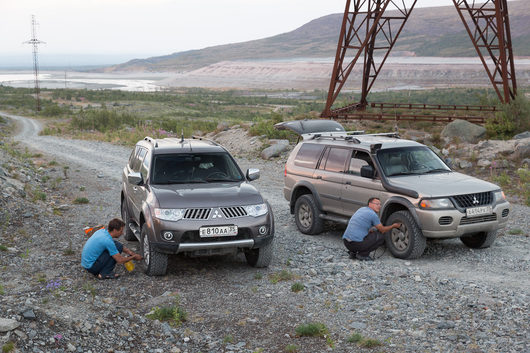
[(522, 135), (522, 149), (464, 130), (8, 324), (275, 150)]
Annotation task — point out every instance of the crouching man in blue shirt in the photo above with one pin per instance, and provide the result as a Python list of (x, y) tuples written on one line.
[(365, 231), (101, 252)]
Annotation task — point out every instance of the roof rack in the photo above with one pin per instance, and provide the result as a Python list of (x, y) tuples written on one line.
[(200, 138), (345, 135), (151, 141)]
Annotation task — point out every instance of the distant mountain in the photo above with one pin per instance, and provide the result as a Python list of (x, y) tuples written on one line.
[(433, 31)]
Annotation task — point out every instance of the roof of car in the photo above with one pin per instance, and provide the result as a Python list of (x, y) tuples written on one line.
[(178, 145), (364, 141)]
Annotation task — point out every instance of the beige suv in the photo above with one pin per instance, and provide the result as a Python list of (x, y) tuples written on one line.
[(331, 173)]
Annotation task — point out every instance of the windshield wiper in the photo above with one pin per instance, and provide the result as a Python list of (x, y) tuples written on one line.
[(437, 170), (403, 173), (210, 180)]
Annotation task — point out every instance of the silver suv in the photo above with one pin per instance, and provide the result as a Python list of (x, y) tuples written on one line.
[(189, 196), (332, 173)]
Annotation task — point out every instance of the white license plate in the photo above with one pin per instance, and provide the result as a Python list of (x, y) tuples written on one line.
[(221, 231), (479, 211)]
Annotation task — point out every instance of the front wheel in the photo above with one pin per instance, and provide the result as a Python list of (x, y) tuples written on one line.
[(479, 240), (260, 257), (127, 232), (408, 241), (306, 215), (155, 263)]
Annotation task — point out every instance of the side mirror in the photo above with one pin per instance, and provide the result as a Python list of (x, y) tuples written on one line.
[(252, 174), (134, 178), (367, 171)]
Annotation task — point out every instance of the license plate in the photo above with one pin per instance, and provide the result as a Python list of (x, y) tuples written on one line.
[(479, 211), (222, 231)]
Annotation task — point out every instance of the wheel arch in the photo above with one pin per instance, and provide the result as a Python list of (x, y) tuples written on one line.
[(397, 203), (304, 188)]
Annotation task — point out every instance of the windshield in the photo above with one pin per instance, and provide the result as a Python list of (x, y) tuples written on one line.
[(194, 168), (410, 160)]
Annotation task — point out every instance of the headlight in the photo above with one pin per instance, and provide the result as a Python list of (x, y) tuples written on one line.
[(436, 203), (169, 214), (256, 210), (499, 196)]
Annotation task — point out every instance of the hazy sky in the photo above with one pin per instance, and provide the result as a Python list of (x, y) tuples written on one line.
[(142, 28)]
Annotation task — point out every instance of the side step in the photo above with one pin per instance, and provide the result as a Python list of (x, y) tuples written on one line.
[(338, 219)]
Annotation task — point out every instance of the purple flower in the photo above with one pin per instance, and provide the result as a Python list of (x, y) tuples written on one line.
[(58, 337)]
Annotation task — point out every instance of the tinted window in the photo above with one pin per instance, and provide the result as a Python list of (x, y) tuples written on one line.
[(194, 168), (358, 160), (337, 159), (308, 155), (145, 166), (410, 160)]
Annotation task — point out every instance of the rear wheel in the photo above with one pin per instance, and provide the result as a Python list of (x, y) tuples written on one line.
[(479, 240), (260, 257), (306, 214), (127, 231), (408, 241), (155, 263)]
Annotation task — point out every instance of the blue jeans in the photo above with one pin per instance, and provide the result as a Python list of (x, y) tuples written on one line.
[(105, 264)]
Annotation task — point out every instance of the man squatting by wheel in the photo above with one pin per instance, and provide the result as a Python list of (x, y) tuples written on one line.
[(101, 252), (365, 232)]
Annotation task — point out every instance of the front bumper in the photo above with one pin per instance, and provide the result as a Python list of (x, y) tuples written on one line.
[(454, 224), (186, 234)]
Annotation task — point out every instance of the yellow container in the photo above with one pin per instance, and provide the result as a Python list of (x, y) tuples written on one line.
[(129, 265)]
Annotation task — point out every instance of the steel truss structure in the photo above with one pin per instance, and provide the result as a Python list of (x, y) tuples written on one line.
[(371, 28)]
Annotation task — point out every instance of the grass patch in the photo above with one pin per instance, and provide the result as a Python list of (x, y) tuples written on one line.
[(515, 231), (363, 341), (39, 196), (174, 314), (313, 329), (81, 200), (3, 248), (8, 347), (297, 287), (228, 339), (291, 348), (283, 275), (2, 291)]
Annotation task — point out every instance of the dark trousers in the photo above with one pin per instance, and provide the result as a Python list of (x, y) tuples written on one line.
[(371, 242), (105, 264)]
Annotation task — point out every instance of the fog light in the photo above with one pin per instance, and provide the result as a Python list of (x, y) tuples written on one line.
[(167, 236), (262, 230)]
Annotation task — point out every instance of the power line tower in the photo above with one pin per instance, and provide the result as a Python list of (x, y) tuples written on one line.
[(35, 43), (372, 27)]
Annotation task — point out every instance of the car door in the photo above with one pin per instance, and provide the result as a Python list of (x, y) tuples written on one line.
[(328, 178), (356, 190), (137, 192)]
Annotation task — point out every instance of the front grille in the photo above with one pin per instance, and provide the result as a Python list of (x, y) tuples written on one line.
[(233, 212), (197, 213), (474, 200), (479, 219), (443, 221), (505, 212)]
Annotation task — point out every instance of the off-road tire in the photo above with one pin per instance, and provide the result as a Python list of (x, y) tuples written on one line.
[(407, 242), (128, 234), (155, 263), (306, 215), (260, 257), (479, 240)]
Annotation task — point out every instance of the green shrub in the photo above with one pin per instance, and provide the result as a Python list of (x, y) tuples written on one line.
[(8, 347), (511, 119), (314, 329), (291, 348), (283, 275), (297, 287), (81, 200), (174, 313)]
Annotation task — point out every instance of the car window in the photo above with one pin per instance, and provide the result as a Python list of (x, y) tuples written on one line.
[(336, 160), (194, 168), (410, 160), (357, 161), (138, 159), (144, 169), (308, 155)]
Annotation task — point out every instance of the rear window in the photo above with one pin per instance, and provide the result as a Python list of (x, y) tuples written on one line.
[(308, 155)]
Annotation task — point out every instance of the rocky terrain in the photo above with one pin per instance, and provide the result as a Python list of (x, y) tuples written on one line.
[(453, 299)]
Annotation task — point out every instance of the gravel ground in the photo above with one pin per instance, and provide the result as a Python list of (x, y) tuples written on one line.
[(453, 299)]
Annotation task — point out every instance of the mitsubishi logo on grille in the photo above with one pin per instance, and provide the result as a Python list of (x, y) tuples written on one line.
[(217, 214), (475, 201)]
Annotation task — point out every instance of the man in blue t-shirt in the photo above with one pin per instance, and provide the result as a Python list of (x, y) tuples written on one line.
[(101, 252), (365, 231)]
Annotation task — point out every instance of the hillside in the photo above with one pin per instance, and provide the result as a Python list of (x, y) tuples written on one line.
[(434, 31)]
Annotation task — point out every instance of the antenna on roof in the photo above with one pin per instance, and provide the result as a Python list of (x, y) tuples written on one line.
[(182, 136)]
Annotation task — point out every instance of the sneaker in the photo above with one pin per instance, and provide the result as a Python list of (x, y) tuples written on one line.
[(363, 258), (352, 255)]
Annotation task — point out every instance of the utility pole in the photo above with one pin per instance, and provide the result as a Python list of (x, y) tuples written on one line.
[(35, 43)]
